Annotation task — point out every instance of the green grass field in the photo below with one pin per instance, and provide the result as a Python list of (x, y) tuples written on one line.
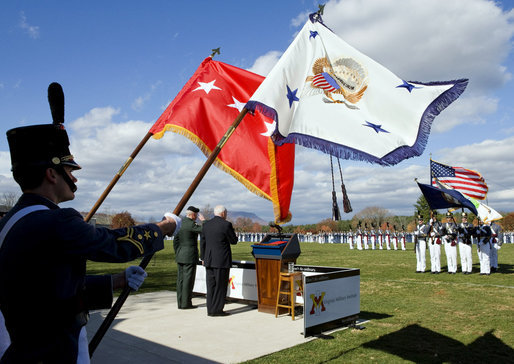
[(420, 318)]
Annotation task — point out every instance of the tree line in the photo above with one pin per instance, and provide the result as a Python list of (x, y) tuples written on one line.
[(373, 217)]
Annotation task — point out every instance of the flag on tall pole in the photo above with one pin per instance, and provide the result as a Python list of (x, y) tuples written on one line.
[(205, 108), (324, 94), (470, 183), (485, 213), (443, 198)]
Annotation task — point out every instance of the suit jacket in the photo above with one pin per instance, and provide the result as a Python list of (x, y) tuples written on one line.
[(186, 242), (217, 236)]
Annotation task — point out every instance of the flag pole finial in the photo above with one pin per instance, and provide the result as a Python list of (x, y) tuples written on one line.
[(215, 51), (321, 7)]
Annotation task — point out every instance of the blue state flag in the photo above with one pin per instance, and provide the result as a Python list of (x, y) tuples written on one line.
[(443, 198)]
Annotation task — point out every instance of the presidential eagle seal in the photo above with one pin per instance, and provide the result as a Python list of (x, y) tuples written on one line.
[(346, 77)]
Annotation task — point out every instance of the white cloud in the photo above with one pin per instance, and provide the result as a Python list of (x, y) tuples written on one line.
[(437, 40), (140, 101), (31, 30), (468, 110), (265, 63)]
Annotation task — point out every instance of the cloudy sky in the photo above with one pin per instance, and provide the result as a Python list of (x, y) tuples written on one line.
[(121, 62)]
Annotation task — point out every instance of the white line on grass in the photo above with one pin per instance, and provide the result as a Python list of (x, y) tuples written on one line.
[(455, 283)]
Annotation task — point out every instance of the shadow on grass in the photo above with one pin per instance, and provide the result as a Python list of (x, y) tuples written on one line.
[(505, 269), (421, 345), (373, 315)]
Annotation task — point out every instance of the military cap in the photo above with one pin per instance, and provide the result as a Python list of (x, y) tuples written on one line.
[(464, 215), (40, 145), (193, 209), (449, 214)]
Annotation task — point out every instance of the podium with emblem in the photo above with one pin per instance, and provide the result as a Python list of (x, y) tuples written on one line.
[(272, 256)]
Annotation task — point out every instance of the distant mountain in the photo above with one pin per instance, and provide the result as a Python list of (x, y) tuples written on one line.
[(234, 215)]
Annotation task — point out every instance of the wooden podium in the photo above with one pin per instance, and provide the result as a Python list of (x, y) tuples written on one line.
[(272, 256)]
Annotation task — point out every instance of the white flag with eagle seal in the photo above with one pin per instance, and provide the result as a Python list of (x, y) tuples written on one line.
[(324, 94)]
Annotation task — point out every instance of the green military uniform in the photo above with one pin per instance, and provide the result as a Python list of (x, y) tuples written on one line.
[(185, 244)]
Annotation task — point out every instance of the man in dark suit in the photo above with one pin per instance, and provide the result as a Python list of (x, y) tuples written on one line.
[(217, 236), (186, 256)]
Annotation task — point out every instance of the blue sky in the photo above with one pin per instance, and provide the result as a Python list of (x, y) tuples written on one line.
[(121, 62)]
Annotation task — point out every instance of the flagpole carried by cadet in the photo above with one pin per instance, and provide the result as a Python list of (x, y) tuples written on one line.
[(450, 245), (483, 235), (496, 243), (420, 244), (465, 230), (45, 294), (436, 233)]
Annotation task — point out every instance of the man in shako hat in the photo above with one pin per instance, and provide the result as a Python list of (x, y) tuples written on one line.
[(450, 243), (465, 229), (420, 245), (483, 234), (436, 231), (45, 294), (496, 243), (185, 244)]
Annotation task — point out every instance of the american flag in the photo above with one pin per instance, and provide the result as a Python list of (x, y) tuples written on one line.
[(466, 181)]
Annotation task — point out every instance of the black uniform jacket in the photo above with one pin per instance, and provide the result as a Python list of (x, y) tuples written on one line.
[(44, 292), (217, 236)]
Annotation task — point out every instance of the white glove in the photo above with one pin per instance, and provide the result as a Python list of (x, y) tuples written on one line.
[(178, 221), (135, 276)]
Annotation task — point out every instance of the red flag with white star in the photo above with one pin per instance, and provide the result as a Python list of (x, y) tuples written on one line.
[(203, 111)]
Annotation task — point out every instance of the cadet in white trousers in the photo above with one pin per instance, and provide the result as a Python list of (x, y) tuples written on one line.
[(388, 238), (359, 238), (420, 244), (402, 239), (450, 244), (483, 234), (434, 245), (373, 239), (365, 238), (496, 243), (465, 230)]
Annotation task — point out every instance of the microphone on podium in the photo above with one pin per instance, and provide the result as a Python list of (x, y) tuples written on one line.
[(278, 227)]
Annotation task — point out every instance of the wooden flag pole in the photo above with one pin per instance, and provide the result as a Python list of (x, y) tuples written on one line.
[(93, 344), (126, 165), (117, 177)]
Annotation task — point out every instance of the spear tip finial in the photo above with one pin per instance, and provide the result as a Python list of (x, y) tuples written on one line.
[(215, 51)]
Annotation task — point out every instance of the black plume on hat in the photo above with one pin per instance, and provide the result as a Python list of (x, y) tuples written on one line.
[(56, 101), (46, 144)]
